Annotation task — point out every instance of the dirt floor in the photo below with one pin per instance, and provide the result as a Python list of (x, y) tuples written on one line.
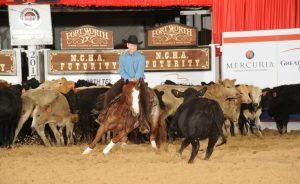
[(272, 159)]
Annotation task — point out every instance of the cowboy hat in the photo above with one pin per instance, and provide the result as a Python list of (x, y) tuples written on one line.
[(133, 40)]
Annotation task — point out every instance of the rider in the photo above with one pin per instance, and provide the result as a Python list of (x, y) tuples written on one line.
[(131, 68)]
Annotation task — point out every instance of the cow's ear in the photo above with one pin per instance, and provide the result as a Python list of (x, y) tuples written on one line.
[(274, 94), (176, 93), (202, 91), (250, 88)]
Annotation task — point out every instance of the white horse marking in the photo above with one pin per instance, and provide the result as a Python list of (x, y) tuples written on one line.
[(108, 148), (135, 102), (87, 150)]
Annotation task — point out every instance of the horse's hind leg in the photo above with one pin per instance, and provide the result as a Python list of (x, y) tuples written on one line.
[(154, 131), (101, 130)]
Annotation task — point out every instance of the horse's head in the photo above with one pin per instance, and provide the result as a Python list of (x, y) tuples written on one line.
[(131, 92)]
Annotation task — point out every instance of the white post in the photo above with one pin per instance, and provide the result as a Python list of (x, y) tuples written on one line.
[(18, 64), (215, 62), (33, 63)]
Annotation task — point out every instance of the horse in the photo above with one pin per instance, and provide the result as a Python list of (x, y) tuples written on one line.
[(121, 116)]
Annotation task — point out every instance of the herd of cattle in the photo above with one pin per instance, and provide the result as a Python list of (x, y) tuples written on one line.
[(65, 105)]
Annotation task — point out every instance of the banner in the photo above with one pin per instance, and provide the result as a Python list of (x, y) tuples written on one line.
[(107, 61), (10, 69), (83, 63), (172, 34), (30, 24), (87, 37), (263, 58), (7, 63)]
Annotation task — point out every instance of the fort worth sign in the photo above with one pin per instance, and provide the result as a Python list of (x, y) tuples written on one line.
[(107, 61)]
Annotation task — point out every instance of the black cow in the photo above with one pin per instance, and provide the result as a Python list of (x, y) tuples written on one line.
[(84, 83), (197, 119), (207, 84), (30, 84), (83, 102), (280, 102), (10, 111)]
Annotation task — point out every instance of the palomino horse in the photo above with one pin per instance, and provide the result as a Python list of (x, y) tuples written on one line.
[(122, 116)]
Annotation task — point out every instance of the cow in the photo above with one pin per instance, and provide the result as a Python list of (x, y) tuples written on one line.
[(85, 100), (232, 107), (30, 84), (10, 110), (280, 102), (250, 113), (221, 91), (207, 84), (83, 83), (197, 119), (47, 107), (4, 84), (62, 85)]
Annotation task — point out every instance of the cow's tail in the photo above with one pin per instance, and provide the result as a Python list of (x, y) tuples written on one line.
[(161, 136)]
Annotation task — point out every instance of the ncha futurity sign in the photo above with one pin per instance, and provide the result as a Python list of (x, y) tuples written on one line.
[(107, 61)]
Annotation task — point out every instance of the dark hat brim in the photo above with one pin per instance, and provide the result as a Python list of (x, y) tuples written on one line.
[(136, 43)]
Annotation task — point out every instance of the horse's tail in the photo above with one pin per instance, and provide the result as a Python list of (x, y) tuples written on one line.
[(161, 136)]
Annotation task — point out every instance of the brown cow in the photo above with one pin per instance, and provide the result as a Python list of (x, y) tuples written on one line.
[(220, 92), (250, 114), (232, 107), (47, 107), (62, 85), (4, 84)]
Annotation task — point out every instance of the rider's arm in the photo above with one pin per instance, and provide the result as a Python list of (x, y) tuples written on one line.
[(139, 74)]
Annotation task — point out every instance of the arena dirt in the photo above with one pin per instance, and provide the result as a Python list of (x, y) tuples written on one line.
[(272, 159)]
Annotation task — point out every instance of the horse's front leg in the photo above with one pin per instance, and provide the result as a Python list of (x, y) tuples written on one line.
[(101, 130), (115, 140)]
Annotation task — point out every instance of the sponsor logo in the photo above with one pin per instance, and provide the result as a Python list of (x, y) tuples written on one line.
[(249, 54), (29, 17), (291, 62), (250, 64)]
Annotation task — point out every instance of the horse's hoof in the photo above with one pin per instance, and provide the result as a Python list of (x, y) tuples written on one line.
[(153, 144), (87, 151), (123, 145), (105, 152)]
